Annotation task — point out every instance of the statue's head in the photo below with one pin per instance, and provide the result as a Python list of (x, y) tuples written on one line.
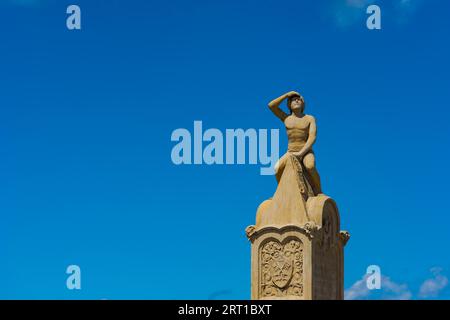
[(296, 103)]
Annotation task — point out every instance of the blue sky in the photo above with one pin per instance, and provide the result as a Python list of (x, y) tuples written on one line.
[(86, 118)]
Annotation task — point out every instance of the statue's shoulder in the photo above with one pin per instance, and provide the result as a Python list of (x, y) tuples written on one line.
[(289, 116), (310, 117)]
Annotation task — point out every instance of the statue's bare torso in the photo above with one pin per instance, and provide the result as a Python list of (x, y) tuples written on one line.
[(297, 130)]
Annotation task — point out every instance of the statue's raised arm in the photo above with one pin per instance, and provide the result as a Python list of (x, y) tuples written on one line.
[(274, 105)]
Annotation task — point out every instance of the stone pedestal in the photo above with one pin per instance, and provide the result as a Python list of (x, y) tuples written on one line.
[(297, 245)]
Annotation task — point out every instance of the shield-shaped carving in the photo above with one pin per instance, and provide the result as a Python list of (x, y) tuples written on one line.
[(281, 269)]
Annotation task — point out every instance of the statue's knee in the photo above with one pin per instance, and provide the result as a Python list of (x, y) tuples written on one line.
[(309, 164)]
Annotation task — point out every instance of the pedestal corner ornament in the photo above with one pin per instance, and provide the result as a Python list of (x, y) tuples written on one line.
[(297, 245)]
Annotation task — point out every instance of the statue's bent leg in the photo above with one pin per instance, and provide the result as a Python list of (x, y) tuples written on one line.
[(310, 164), (279, 167)]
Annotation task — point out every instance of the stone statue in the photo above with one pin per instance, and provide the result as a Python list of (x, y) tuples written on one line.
[(301, 131), (297, 245)]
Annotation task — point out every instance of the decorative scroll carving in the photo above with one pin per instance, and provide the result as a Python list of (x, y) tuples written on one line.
[(281, 269), (302, 180), (311, 229)]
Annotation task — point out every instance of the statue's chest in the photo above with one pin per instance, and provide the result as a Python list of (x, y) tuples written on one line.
[(296, 123)]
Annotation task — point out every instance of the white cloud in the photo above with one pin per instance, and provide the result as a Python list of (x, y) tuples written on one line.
[(431, 287), (409, 3), (358, 3), (405, 9), (25, 2), (349, 12), (394, 291), (390, 290), (358, 290)]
